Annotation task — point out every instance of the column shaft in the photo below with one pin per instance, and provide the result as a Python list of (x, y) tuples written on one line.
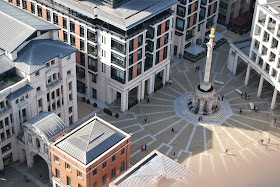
[(235, 64), (247, 75), (260, 87), (274, 97)]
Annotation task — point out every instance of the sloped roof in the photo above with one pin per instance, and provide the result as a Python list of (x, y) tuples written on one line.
[(156, 167), (18, 25), (5, 63), (48, 125), (90, 141), (12, 96), (125, 16), (34, 56)]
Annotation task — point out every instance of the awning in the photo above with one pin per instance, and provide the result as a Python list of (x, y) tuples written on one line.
[(218, 36), (195, 49)]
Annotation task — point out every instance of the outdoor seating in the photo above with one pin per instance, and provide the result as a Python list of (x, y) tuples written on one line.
[(238, 91), (219, 82), (252, 106)]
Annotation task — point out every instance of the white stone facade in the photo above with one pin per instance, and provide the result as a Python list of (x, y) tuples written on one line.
[(264, 50), (15, 112), (94, 59), (193, 21)]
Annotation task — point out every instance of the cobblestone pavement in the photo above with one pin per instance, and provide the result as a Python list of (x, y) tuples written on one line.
[(200, 147)]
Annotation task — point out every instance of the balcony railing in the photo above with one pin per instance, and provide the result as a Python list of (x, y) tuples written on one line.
[(53, 83)]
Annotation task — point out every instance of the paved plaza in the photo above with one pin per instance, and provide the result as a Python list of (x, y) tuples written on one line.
[(200, 146)]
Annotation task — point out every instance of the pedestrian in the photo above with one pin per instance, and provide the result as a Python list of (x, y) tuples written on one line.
[(145, 147), (180, 55), (275, 120), (41, 176), (145, 119), (240, 111), (268, 140), (195, 68), (226, 151), (262, 141), (174, 155), (142, 147), (198, 68), (148, 100), (172, 130), (241, 95), (222, 98), (248, 96)]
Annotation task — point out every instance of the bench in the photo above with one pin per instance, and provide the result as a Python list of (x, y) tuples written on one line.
[(238, 91), (251, 106), (219, 82)]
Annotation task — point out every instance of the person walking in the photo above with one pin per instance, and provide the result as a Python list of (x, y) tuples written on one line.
[(174, 155), (240, 111), (268, 140), (145, 147), (222, 97), (145, 119), (142, 147), (172, 130), (148, 100), (226, 151), (275, 120)]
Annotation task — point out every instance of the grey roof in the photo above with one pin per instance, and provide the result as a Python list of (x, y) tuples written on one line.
[(48, 125), (158, 168), (18, 25), (125, 16), (14, 95), (34, 56), (90, 141), (5, 63)]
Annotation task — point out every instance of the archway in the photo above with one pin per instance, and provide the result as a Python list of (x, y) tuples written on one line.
[(40, 168)]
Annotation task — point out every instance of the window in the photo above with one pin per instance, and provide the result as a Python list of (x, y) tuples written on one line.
[(37, 73), (92, 36), (70, 85), (55, 18), (131, 43), (70, 97), (1, 124), (72, 26), (40, 103), (48, 15), (69, 72), (56, 159), (70, 110), (32, 8), (180, 24), (8, 133), (104, 179), (39, 10), (93, 78), (82, 31), (72, 42), (94, 172), (24, 5), (57, 92), (92, 64), (6, 121), (139, 54), (113, 158), (104, 165), (69, 182), (54, 76), (57, 173), (68, 166), (113, 173), (53, 95), (38, 89), (94, 93), (2, 136), (122, 151), (140, 40), (94, 185), (80, 174), (122, 167), (181, 11), (6, 148)]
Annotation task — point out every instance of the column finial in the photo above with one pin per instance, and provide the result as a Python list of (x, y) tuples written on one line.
[(211, 36)]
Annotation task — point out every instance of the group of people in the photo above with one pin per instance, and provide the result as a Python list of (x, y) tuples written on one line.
[(246, 96), (144, 147), (220, 97), (197, 68)]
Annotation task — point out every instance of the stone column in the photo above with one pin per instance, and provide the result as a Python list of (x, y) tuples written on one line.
[(124, 98), (274, 97), (151, 84), (235, 64), (142, 90), (139, 92), (109, 95), (247, 74), (50, 172), (164, 76), (167, 71), (260, 87), (29, 159)]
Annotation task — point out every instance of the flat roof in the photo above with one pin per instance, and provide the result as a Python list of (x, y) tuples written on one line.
[(90, 140), (156, 168), (18, 25), (125, 16)]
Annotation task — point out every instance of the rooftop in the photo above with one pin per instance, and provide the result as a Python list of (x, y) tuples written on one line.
[(47, 124), (90, 140), (34, 56), (18, 25), (156, 168), (273, 6), (125, 16), (5, 63), (244, 45)]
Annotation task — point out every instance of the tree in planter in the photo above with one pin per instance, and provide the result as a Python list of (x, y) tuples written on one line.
[(94, 105), (88, 101), (117, 115)]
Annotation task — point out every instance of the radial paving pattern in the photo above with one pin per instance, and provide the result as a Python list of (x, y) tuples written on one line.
[(200, 147)]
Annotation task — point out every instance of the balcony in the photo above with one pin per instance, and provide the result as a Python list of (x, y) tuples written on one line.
[(53, 83)]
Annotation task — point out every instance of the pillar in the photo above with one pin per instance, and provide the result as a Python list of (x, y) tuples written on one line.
[(124, 98), (30, 160), (164, 76), (274, 97), (109, 98), (235, 64), (151, 84), (50, 172), (167, 72), (142, 90), (247, 75), (260, 87), (139, 92)]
